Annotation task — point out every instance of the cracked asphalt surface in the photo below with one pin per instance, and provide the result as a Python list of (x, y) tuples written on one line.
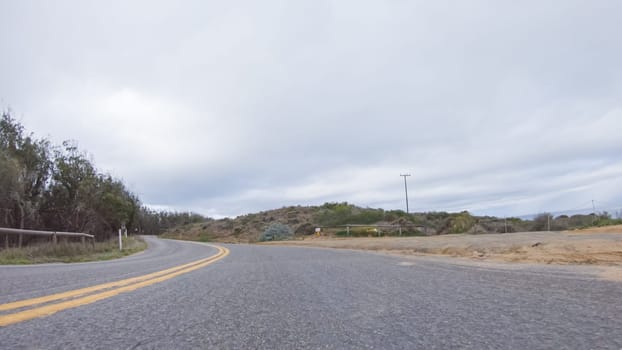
[(270, 297)]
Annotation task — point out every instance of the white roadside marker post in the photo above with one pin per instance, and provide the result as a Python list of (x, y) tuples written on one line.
[(120, 241)]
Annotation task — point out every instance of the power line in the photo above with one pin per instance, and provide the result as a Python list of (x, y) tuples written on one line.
[(581, 207), (607, 204)]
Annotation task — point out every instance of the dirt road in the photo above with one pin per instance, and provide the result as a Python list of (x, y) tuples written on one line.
[(602, 246)]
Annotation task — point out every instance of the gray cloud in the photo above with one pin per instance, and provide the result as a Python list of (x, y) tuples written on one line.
[(227, 108)]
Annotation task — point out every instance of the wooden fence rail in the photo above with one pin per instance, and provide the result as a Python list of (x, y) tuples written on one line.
[(53, 234), (377, 226)]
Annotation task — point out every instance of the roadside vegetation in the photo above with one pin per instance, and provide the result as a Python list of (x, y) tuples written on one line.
[(276, 232), (51, 187), (67, 252), (300, 222), (58, 188)]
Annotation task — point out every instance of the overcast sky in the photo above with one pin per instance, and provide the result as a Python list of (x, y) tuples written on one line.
[(231, 107)]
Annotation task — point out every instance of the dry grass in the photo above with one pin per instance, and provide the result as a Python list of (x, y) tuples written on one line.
[(71, 252), (602, 229), (601, 247)]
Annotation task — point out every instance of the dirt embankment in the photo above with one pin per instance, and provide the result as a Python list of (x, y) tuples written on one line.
[(602, 246)]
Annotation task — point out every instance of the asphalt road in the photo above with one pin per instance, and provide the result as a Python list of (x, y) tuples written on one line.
[(269, 297), (27, 281)]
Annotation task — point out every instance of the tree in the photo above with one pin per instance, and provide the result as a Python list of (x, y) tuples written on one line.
[(31, 158), (59, 188), (71, 191), (10, 189)]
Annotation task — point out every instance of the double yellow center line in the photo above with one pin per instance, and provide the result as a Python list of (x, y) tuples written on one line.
[(83, 296)]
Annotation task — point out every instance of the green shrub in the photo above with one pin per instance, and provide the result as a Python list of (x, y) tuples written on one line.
[(335, 214), (458, 223), (276, 232), (204, 237)]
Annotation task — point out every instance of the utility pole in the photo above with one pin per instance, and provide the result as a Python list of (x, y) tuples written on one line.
[(548, 222), (405, 190)]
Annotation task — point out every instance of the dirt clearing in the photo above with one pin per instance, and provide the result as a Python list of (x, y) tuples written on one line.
[(598, 246)]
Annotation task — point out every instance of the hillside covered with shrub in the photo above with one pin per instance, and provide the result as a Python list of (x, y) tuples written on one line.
[(300, 221)]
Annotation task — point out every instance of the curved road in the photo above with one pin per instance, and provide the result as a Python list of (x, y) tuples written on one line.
[(269, 297), (27, 281)]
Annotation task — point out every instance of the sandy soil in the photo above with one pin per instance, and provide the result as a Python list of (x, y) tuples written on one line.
[(598, 246)]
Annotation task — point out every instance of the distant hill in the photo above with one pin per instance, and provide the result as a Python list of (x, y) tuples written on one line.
[(333, 218), (247, 228)]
